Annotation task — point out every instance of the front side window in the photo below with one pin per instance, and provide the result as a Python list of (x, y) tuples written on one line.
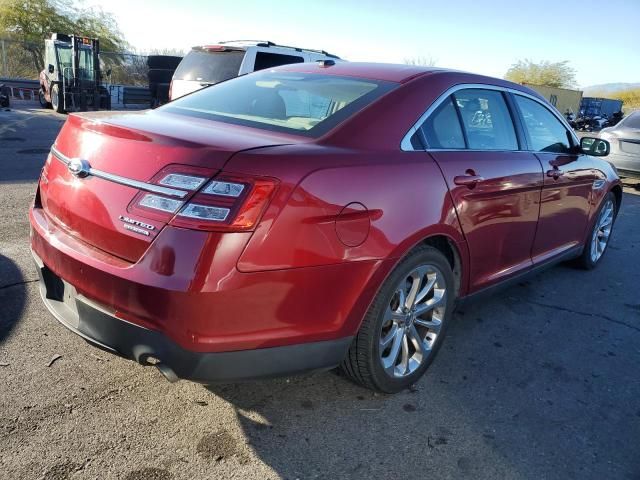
[(442, 128), (545, 132), (486, 120), (282, 101), (270, 60)]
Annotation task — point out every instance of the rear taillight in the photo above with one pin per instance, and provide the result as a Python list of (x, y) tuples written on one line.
[(227, 204), (223, 204)]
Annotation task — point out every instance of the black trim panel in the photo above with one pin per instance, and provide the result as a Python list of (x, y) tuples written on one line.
[(570, 254)]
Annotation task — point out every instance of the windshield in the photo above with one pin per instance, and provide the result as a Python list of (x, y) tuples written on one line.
[(85, 62), (283, 101), (209, 67)]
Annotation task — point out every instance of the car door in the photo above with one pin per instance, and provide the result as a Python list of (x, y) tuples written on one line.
[(568, 180), (495, 185)]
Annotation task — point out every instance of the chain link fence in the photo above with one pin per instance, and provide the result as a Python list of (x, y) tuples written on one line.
[(26, 60)]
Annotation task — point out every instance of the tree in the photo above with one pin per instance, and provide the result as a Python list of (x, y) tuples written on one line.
[(421, 61), (31, 21), (551, 74), (630, 98)]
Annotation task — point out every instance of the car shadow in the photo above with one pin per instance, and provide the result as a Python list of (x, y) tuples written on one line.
[(12, 296), (516, 386)]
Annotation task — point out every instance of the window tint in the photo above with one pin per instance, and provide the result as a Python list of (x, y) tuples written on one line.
[(546, 133), (486, 120), (270, 60), (442, 128), (210, 67)]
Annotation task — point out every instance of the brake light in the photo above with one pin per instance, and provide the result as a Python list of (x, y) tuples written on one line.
[(158, 202), (225, 203), (181, 181)]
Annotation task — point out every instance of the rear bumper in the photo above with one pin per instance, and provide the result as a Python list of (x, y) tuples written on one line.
[(187, 288), (149, 347)]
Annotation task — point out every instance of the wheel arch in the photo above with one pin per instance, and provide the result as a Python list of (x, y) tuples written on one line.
[(455, 252), (617, 192), (451, 251)]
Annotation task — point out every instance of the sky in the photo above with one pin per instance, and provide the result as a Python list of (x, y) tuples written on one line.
[(601, 39)]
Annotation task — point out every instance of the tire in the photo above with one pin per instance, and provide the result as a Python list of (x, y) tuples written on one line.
[(387, 323), (56, 99), (159, 76), (42, 99), (595, 247), (168, 62)]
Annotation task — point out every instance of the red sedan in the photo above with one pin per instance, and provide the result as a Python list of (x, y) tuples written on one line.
[(310, 216)]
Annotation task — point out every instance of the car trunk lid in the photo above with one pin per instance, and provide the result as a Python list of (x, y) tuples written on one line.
[(127, 154)]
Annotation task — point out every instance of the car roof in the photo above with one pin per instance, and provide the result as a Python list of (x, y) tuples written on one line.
[(389, 72), (399, 73), (244, 44)]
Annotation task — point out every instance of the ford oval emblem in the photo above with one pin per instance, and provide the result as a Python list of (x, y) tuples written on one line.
[(78, 167)]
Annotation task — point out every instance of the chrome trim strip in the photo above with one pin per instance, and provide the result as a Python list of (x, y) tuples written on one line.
[(128, 182), (405, 144)]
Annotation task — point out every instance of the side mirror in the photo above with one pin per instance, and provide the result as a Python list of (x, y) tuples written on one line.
[(595, 146), (51, 68), (108, 72)]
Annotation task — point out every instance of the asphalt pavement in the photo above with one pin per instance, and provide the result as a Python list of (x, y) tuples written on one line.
[(539, 381)]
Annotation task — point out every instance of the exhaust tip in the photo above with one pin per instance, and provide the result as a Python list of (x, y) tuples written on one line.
[(167, 372)]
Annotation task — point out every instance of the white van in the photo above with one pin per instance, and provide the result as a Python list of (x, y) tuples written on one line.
[(210, 64)]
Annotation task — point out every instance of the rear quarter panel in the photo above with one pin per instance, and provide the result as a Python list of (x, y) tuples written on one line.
[(404, 196)]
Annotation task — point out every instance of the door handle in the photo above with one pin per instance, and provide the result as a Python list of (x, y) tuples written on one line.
[(555, 173), (468, 180)]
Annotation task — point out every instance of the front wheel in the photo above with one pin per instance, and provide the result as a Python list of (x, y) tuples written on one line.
[(404, 327), (600, 234), (42, 99), (56, 99)]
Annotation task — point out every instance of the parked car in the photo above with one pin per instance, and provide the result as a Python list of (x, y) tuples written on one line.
[(311, 216), (210, 64), (625, 143)]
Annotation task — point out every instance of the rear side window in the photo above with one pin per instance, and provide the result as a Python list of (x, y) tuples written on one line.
[(270, 60), (545, 132), (209, 67), (486, 120), (442, 128), (632, 121)]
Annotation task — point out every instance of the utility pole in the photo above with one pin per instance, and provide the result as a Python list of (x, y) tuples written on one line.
[(5, 71)]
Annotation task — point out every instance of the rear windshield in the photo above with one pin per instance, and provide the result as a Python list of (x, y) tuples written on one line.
[(209, 67), (308, 104)]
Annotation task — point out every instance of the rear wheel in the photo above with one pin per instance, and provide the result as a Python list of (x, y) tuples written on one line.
[(405, 325), (56, 99), (600, 233)]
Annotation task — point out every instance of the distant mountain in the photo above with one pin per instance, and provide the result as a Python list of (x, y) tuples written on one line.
[(608, 88)]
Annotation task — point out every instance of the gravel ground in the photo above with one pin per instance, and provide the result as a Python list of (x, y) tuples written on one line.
[(540, 381)]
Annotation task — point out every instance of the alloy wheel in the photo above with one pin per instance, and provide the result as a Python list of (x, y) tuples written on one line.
[(602, 231), (412, 321)]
